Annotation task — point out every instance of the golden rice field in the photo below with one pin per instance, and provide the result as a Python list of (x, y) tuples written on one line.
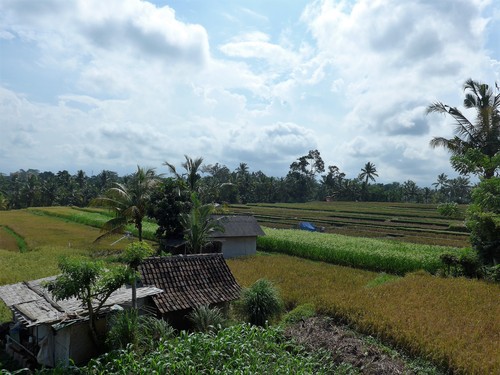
[(453, 322)]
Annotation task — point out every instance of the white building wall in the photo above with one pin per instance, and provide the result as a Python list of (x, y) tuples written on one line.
[(239, 246)]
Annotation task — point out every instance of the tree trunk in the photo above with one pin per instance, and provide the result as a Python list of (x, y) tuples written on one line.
[(134, 292), (92, 326)]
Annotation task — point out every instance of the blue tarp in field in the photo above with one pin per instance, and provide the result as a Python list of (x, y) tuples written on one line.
[(304, 225)]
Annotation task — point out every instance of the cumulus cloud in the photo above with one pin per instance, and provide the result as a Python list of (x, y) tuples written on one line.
[(112, 84), (270, 146)]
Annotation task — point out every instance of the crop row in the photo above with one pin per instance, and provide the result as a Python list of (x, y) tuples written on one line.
[(370, 254), (92, 218), (370, 219), (453, 322), (239, 349)]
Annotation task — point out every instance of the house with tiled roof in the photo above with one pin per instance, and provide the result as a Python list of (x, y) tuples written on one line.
[(188, 282), (51, 332)]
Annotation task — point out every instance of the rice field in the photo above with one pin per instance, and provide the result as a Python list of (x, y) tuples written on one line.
[(370, 254), (402, 222), (92, 217), (453, 322)]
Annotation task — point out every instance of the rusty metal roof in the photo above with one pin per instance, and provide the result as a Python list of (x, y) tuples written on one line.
[(189, 281), (34, 305)]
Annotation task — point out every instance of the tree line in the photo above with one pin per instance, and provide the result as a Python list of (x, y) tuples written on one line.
[(307, 180)]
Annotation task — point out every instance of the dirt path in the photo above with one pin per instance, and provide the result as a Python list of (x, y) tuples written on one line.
[(345, 347)]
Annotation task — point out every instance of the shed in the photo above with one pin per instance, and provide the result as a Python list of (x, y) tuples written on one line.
[(188, 282), (239, 237), (52, 332)]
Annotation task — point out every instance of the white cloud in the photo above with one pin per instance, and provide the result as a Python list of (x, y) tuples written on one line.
[(135, 83)]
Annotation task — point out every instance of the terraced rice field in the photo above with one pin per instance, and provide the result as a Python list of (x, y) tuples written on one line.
[(415, 223)]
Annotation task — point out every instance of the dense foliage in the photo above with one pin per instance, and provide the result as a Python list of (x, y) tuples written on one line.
[(239, 349), (483, 220), (475, 148), (261, 302), (307, 179)]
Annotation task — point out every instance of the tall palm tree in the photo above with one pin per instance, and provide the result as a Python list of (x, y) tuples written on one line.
[(482, 135), (128, 201), (441, 182), (191, 177), (369, 172)]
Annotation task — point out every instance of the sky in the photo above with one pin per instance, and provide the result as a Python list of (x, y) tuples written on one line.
[(93, 85)]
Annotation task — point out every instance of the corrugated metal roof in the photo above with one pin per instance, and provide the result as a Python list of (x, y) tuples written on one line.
[(238, 226), (34, 305), (189, 281)]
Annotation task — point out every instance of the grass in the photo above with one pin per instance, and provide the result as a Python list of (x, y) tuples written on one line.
[(46, 240), (94, 218), (370, 254), (453, 322), (9, 240)]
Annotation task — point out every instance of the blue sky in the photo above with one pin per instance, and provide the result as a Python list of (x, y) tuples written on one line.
[(92, 85)]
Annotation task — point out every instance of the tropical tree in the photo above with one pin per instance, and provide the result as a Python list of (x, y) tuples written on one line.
[(483, 220), (243, 182), (301, 179), (199, 225), (91, 282), (4, 202), (475, 147), (129, 202), (333, 181), (166, 202), (191, 177), (369, 172), (133, 255)]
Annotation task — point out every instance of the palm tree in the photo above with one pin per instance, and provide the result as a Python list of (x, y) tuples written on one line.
[(441, 182), (4, 202), (128, 201), (191, 176), (368, 172), (198, 225), (482, 135)]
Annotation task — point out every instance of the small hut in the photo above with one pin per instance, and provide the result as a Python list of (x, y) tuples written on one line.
[(188, 282), (51, 332)]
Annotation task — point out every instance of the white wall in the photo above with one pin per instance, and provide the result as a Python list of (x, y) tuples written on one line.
[(239, 246)]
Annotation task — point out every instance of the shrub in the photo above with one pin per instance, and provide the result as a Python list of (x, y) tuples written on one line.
[(470, 265), (303, 311), (449, 260), (123, 329), (206, 319), (261, 302), (492, 273), (483, 221), (448, 209), (152, 331)]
